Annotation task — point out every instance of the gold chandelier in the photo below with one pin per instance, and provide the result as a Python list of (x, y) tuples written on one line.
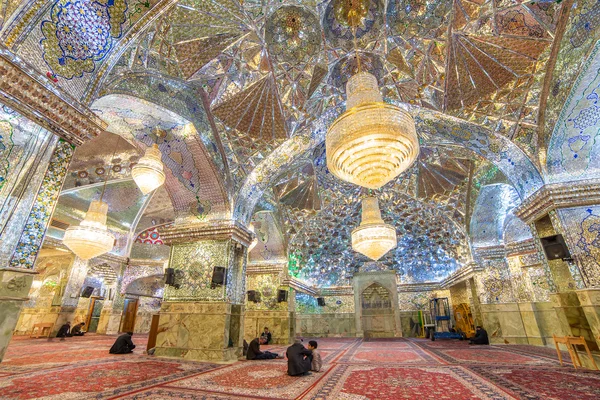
[(372, 142), (373, 238), (148, 172), (91, 238)]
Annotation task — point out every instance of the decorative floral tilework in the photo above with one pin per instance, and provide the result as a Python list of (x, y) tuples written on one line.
[(39, 217)]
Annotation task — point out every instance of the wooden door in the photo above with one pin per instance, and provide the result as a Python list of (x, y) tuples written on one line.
[(129, 312), (93, 318)]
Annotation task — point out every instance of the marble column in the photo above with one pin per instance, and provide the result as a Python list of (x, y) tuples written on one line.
[(28, 197), (589, 300), (72, 285), (566, 279), (198, 320), (279, 317)]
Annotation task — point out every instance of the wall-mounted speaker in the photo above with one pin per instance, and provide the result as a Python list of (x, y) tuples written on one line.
[(87, 292), (170, 276), (282, 295), (253, 296), (219, 277), (555, 248), (321, 301)]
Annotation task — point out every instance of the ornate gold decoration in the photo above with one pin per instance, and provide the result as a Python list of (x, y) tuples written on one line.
[(372, 142), (29, 93), (148, 172), (91, 238), (373, 238)]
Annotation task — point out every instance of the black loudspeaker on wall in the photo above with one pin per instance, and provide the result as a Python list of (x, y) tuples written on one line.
[(169, 276), (87, 292), (555, 248), (321, 301), (219, 277), (282, 295), (253, 296)]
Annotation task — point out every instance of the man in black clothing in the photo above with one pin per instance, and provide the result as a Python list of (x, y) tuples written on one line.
[(123, 344), (299, 359), (267, 335), (64, 331), (76, 331), (254, 352), (481, 336)]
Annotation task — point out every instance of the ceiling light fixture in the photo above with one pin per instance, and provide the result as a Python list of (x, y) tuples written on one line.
[(372, 142), (373, 238), (91, 238), (148, 173)]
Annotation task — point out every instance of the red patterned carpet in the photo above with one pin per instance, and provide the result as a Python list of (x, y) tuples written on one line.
[(81, 368)]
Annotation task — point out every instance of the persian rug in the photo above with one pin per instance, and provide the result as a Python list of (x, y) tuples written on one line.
[(93, 378), (394, 352), (357, 382), (160, 393), (543, 383), (81, 368), (262, 379), (489, 355)]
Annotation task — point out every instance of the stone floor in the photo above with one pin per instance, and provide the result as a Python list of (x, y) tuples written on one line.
[(81, 368)]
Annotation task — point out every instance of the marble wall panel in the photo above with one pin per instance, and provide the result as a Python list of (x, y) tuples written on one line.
[(326, 325), (307, 304), (581, 226)]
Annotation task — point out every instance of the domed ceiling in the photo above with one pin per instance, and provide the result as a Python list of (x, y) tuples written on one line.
[(252, 75)]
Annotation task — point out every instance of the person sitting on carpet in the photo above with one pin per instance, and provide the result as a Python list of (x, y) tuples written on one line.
[(481, 336), (317, 363), (267, 335), (299, 359), (123, 344), (76, 331), (64, 331), (254, 352)]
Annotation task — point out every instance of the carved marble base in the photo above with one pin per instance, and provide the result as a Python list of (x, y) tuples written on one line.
[(281, 324), (200, 331), (504, 323), (590, 303), (32, 316), (110, 322), (572, 318), (14, 289), (326, 325)]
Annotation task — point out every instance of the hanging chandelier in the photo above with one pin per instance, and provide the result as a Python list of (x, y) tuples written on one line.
[(372, 142), (148, 172), (91, 238), (373, 238)]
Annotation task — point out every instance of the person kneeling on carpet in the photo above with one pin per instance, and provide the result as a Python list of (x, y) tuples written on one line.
[(481, 336), (123, 344), (64, 331), (316, 363), (267, 335), (77, 329), (299, 359), (254, 352)]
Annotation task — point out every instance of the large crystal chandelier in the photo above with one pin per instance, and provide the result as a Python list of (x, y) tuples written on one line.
[(148, 172), (372, 142), (373, 238), (92, 238)]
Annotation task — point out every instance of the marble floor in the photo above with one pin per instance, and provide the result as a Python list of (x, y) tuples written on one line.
[(81, 368)]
